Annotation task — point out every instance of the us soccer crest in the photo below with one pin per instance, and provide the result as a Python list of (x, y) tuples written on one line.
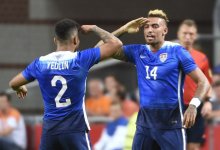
[(163, 57)]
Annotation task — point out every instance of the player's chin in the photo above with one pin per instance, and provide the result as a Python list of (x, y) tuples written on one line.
[(149, 42), (188, 43)]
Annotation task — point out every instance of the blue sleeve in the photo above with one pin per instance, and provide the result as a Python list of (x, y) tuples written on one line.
[(29, 72), (186, 60), (89, 57), (129, 51)]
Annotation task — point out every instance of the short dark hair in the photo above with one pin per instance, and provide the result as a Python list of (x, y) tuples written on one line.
[(189, 22), (64, 29), (6, 95)]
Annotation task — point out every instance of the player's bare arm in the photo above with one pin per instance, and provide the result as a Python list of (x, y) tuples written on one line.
[(130, 27), (207, 106), (18, 85), (111, 43), (202, 88)]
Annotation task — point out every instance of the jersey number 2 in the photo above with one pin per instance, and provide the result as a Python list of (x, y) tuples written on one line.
[(152, 73), (61, 92)]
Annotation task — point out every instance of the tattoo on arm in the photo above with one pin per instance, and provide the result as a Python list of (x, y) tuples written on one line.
[(105, 36), (118, 33), (202, 83), (201, 90)]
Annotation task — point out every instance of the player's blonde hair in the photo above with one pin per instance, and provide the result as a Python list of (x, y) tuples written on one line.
[(158, 13)]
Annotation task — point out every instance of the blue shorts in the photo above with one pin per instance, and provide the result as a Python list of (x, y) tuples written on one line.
[(196, 134), (156, 139), (66, 141)]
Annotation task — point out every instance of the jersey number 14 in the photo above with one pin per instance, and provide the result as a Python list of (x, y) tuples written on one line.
[(152, 73)]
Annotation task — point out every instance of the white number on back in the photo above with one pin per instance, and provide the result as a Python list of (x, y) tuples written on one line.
[(61, 92), (153, 72)]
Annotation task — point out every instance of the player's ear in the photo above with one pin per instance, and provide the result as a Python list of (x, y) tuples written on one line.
[(196, 36), (165, 31), (75, 40), (55, 40), (178, 34)]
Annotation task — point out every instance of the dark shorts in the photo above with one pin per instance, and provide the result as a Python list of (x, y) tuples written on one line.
[(196, 134), (6, 144), (66, 141), (156, 139)]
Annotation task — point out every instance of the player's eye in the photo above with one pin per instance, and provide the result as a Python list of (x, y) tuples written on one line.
[(146, 26), (155, 26)]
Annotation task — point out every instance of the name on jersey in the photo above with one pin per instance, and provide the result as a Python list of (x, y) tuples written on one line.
[(58, 65)]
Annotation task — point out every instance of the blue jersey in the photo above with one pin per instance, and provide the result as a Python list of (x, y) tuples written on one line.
[(62, 80), (160, 81)]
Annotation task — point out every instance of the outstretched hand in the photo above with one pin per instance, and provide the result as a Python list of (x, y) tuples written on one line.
[(21, 92), (135, 25), (87, 28), (189, 116)]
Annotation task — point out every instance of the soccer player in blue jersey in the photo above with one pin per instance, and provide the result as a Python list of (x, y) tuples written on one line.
[(161, 67), (62, 80)]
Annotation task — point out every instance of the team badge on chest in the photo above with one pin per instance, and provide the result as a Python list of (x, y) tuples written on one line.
[(163, 57)]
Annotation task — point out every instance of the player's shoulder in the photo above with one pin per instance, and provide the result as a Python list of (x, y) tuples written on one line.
[(199, 56), (136, 46), (198, 53), (89, 52), (174, 45), (59, 56), (171, 47)]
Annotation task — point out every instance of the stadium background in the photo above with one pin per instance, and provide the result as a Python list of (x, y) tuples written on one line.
[(26, 32)]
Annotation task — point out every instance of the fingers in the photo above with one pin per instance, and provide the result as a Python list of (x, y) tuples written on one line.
[(138, 19), (83, 29), (193, 120), (21, 94), (86, 28), (141, 21), (189, 119), (185, 121)]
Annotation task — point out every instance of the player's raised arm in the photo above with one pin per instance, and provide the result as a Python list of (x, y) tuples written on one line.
[(202, 88), (111, 43), (17, 84), (130, 27), (27, 75)]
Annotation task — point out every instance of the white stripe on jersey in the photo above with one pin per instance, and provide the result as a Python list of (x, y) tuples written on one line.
[(84, 110), (84, 114), (180, 108), (87, 140)]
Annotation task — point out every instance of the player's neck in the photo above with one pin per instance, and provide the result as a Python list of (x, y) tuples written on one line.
[(189, 48), (157, 46), (66, 47)]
